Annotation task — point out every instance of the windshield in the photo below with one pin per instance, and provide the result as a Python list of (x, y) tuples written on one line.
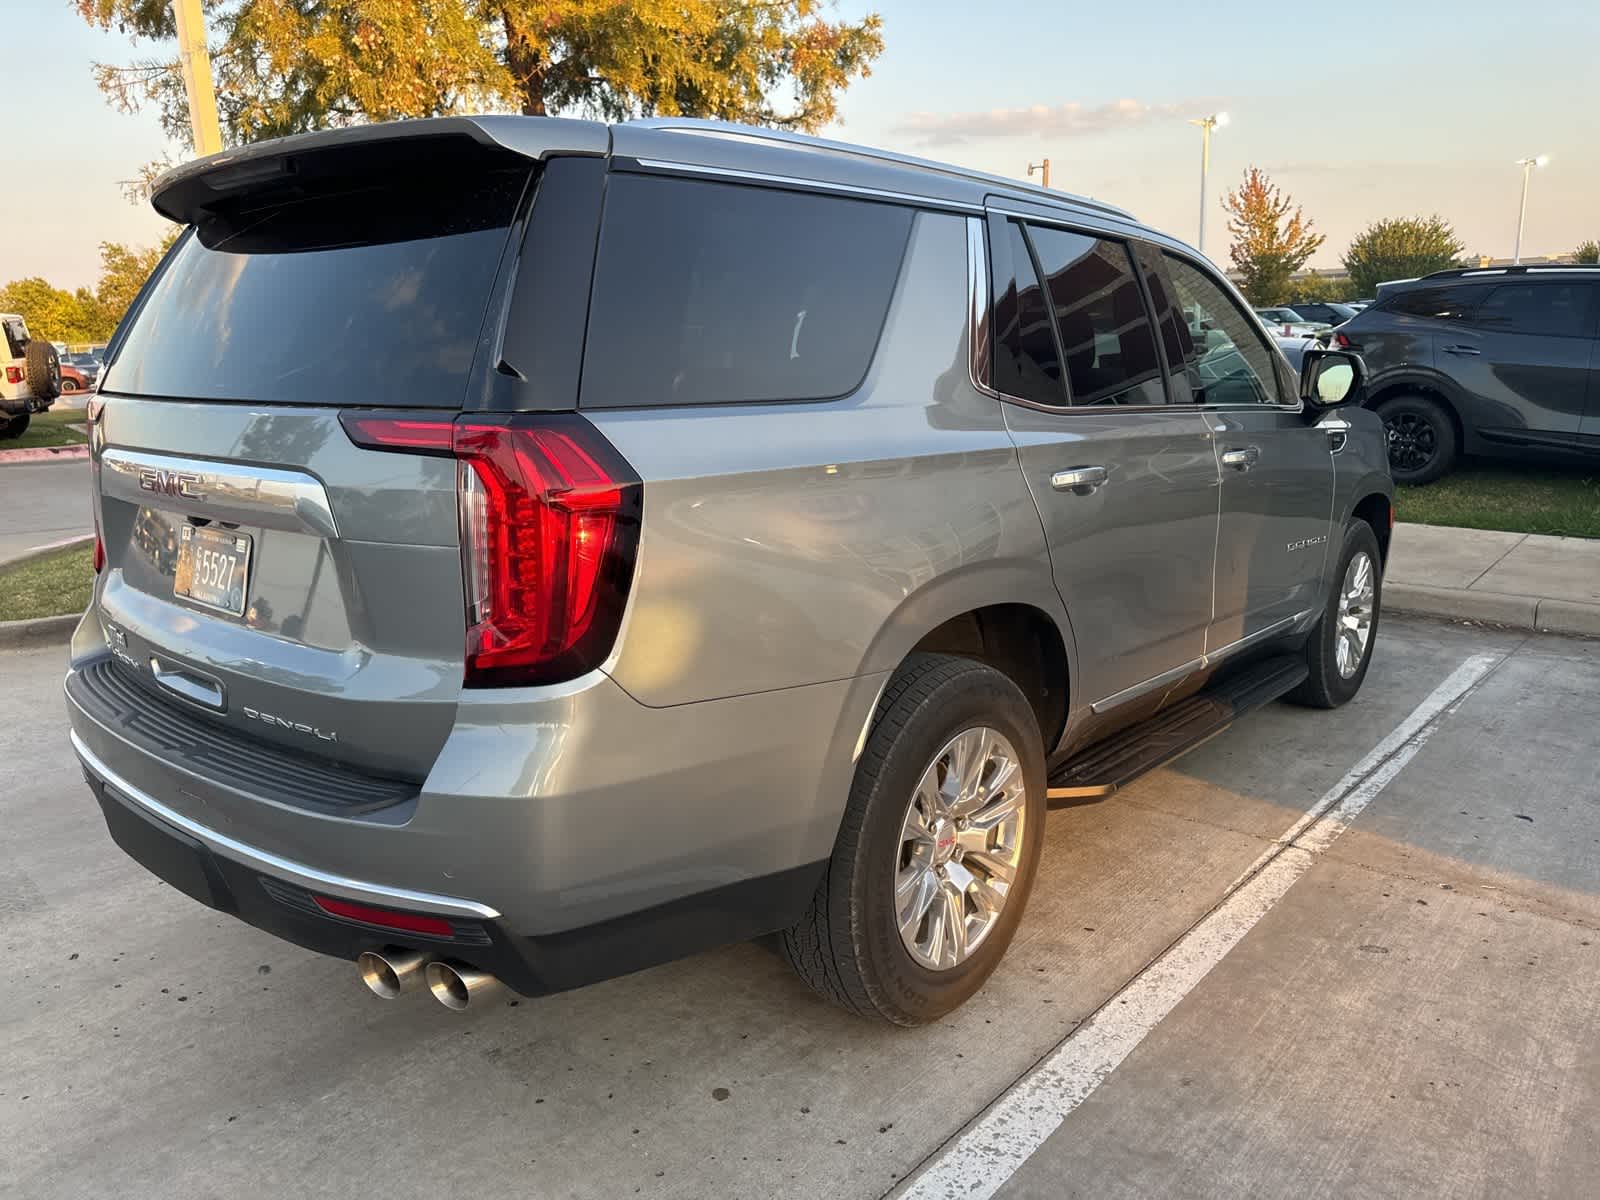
[(372, 295)]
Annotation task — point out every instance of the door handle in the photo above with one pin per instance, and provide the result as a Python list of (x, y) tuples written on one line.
[(1079, 480), (1465, 350), (1338, 431), (1241, 459), (191, 687)]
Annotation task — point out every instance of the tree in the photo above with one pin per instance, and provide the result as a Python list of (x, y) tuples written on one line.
[(1587, 252), (1272, 239), (57, 315), (1318, 289), (1400, 248), (289, 67)]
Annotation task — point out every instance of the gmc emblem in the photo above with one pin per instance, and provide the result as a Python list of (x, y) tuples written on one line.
[(171, 483)]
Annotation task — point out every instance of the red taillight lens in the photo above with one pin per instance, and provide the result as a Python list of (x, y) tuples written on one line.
[(549, 529), (13, 374), (388, 918), (1343, 341)]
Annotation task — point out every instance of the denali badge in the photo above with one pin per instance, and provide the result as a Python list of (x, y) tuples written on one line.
[(255, 714), (170, 483), (1304, 542)]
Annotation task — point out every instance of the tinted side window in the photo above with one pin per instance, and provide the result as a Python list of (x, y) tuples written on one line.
[(1107, 342), (1229, 363), (1176, 339), (1555, 308), (1026, 361), (1436, 303), (710, 293)]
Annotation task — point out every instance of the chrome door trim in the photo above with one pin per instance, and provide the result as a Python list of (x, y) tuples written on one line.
[(267, 496), (1209, 659), (978, 365), (272, 864)]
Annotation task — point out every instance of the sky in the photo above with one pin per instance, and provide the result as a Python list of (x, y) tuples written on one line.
[(1359, 110)]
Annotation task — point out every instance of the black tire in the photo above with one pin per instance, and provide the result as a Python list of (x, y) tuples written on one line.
[(1327, 686), (1421, 436), (44, 369), (848, 946), (15, 427)]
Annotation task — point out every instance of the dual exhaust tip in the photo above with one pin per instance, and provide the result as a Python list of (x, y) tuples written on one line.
[(391, 973)]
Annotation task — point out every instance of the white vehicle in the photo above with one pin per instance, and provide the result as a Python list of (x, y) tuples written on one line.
[(30, 375), (1286, 322)]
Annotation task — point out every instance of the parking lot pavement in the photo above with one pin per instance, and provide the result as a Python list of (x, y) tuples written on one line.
[(1414, 1013), (41, 503)]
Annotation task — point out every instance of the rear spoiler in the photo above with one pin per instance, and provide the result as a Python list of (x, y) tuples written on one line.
[(189, 192)]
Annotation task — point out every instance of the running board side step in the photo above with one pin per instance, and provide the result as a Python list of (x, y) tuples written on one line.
[(1102, 768)]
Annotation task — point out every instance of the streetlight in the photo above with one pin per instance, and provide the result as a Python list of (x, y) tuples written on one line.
[(1527, 165), (1207, 124), (1043, 167)]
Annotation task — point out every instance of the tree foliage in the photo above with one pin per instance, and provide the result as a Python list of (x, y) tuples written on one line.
[(1316, 289), (1272, 239), (1587, 252), (57, 315), (1400, 248), (287, 66)]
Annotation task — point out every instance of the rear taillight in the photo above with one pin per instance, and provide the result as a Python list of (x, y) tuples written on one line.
[(549, 515), (1344, 343), (92, 413), (13, 374)]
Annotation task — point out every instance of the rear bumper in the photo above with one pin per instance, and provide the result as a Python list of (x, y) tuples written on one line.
[(585, 834), (277, 896)]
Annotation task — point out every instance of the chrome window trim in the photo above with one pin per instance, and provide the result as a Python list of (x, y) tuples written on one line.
[(272, 864), (267, 496), (1209, 659), (800, 184), (979, 364)]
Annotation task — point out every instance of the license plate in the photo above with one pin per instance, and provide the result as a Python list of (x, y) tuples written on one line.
[(213, 568)]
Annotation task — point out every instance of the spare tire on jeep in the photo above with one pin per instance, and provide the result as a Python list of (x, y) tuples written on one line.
[(44, 369)]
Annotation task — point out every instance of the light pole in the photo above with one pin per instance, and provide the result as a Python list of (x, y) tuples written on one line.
[(1527, 165), (197, 87), (1042, 167), (1207, 124)]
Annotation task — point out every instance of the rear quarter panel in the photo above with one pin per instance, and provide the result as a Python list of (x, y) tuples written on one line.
[(792, 544)]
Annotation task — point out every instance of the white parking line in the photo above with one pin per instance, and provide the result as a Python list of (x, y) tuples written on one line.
[(975, 1165)]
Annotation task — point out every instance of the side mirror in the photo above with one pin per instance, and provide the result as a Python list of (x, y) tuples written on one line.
[(1331, 378)]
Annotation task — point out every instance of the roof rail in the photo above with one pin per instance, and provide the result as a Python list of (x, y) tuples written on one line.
[(1516, 269), (803, 141)]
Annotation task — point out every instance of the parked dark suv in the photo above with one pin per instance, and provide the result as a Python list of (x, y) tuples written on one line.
[(610, 542), (1496, 362)]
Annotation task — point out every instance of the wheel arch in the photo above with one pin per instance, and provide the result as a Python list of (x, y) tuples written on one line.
[(1412, 385), (1377, 510)]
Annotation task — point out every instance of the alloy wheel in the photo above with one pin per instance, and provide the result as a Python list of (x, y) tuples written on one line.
[(1353, 631), (1413, 441), (960, 848)]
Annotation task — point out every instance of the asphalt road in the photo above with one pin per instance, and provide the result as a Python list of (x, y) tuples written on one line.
[(1410, 1007), (42, 502)]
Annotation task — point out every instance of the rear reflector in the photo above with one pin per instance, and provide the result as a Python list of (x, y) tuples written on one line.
[(13, 374), (549, 523), (388, 918)]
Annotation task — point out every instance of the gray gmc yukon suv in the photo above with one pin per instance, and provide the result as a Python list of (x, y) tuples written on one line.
[(531, 550)]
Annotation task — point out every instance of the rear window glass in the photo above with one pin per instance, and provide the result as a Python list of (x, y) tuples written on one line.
[(374, 295), (1026, 361), (709, 293)]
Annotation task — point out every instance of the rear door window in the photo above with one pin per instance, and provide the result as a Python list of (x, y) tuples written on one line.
[(1027, 363), (711, 293), (1436, 303), (1562, 309), (373, 295), (1228, 360), (1108, 345)]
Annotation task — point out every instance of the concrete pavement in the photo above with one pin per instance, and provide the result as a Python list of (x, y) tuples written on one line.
[(1524, 580), (43, 502), (151, 1047)]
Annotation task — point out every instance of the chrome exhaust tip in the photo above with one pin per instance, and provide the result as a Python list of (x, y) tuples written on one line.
[(391, 972), (456, 985)]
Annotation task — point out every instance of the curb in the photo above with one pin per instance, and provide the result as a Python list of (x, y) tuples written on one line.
[(38, 454), (1516, 612), (40, 631), (16, 560)]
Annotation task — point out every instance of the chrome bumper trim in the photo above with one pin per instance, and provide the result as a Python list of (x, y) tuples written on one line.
[(271, 864)]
